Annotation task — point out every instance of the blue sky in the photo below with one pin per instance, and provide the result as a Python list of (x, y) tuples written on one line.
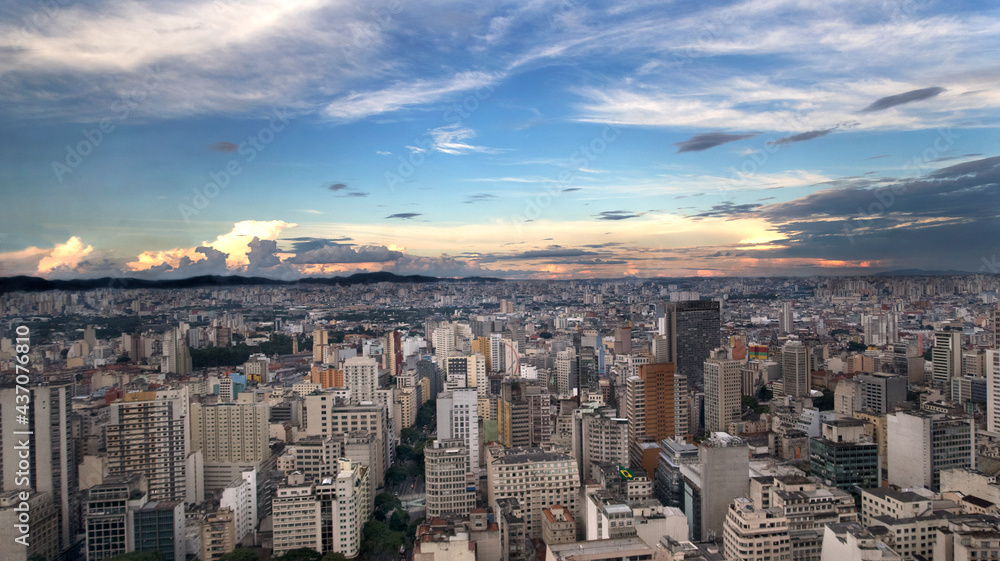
[(523, 140)]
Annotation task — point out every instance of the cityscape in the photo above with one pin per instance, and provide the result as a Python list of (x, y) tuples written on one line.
[(547, 280), (697, 418)]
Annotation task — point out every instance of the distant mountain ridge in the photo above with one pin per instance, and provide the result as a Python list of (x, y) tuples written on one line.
[(37, 284)]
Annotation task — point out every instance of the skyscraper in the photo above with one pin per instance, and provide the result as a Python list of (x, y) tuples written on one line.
[(785, 320), (993, 390), (321, 338), (692, 329), (132, 449), (795, 369), (921, 444), (53, 454), (445, 470), (723, 396), (458, 419), (946, 356), (361, 377), (654, 406)]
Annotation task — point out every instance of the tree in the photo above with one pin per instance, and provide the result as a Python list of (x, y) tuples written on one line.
[(139, 556), (765, 394), (300, 554), (395, 475), (856, 347), (240, 554), (399, 520), (384, 504), (123, 358), (334, 556), (929, 354), (826, 402), (545, 335)]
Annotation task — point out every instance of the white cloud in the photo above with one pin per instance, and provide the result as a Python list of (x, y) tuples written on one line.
[(449, 140), (65, 255), (234, 243), (358, 105)]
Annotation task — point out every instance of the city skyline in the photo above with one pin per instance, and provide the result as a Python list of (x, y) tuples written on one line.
[(536, 141)]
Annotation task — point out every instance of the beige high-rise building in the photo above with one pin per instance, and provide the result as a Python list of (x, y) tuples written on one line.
[(218, 535), (321, 338), (446, 471), (795, 369), (751, 533), (361, 377), (723, 395), (232, 438), (162, 459), (326, 417), (536, 478), (325, 516)]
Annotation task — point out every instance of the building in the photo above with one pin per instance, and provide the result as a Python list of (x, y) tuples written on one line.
[(41, 540), (325, 516), (159, 526), (361, 377), (108, 515), (723, 395), (853, 542), (993, 390), (603, 438), (54, 457), (921, 444), (750, 533), (163, 459), (449, 489), (785, 320), (458, 419), (217, 535), (795, 369), (808, 507), (619, 549), (692, 329), (710, 485), (240, 496), (879, 392), (558, 525), (946, 357), (321, 338), (536, 478), (524, 414), (655, 408), (888, 502), (845, 456), (232, 438), (669, 483), (328, 416)]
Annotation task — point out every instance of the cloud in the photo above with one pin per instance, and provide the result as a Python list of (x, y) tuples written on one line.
[(727, 209), (549, 254), (570, 189), (65, 255), (899, 99), (358, 105), (618, 215), (404, 215), (383, 153), (707, 140), (223, 147), (337, 187), (303, 244), (262, 255), (356, 194), (234, 244), (808, 135), (449, 140), (479, 197), (345, 254)]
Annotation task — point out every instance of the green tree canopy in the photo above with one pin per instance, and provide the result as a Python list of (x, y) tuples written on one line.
[(399, 520), (241, 554), (139, 556)]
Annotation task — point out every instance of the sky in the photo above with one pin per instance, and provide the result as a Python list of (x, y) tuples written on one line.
[(532, 139)]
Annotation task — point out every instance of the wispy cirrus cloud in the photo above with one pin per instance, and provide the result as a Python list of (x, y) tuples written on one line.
[(450, 139), (704, 141)]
